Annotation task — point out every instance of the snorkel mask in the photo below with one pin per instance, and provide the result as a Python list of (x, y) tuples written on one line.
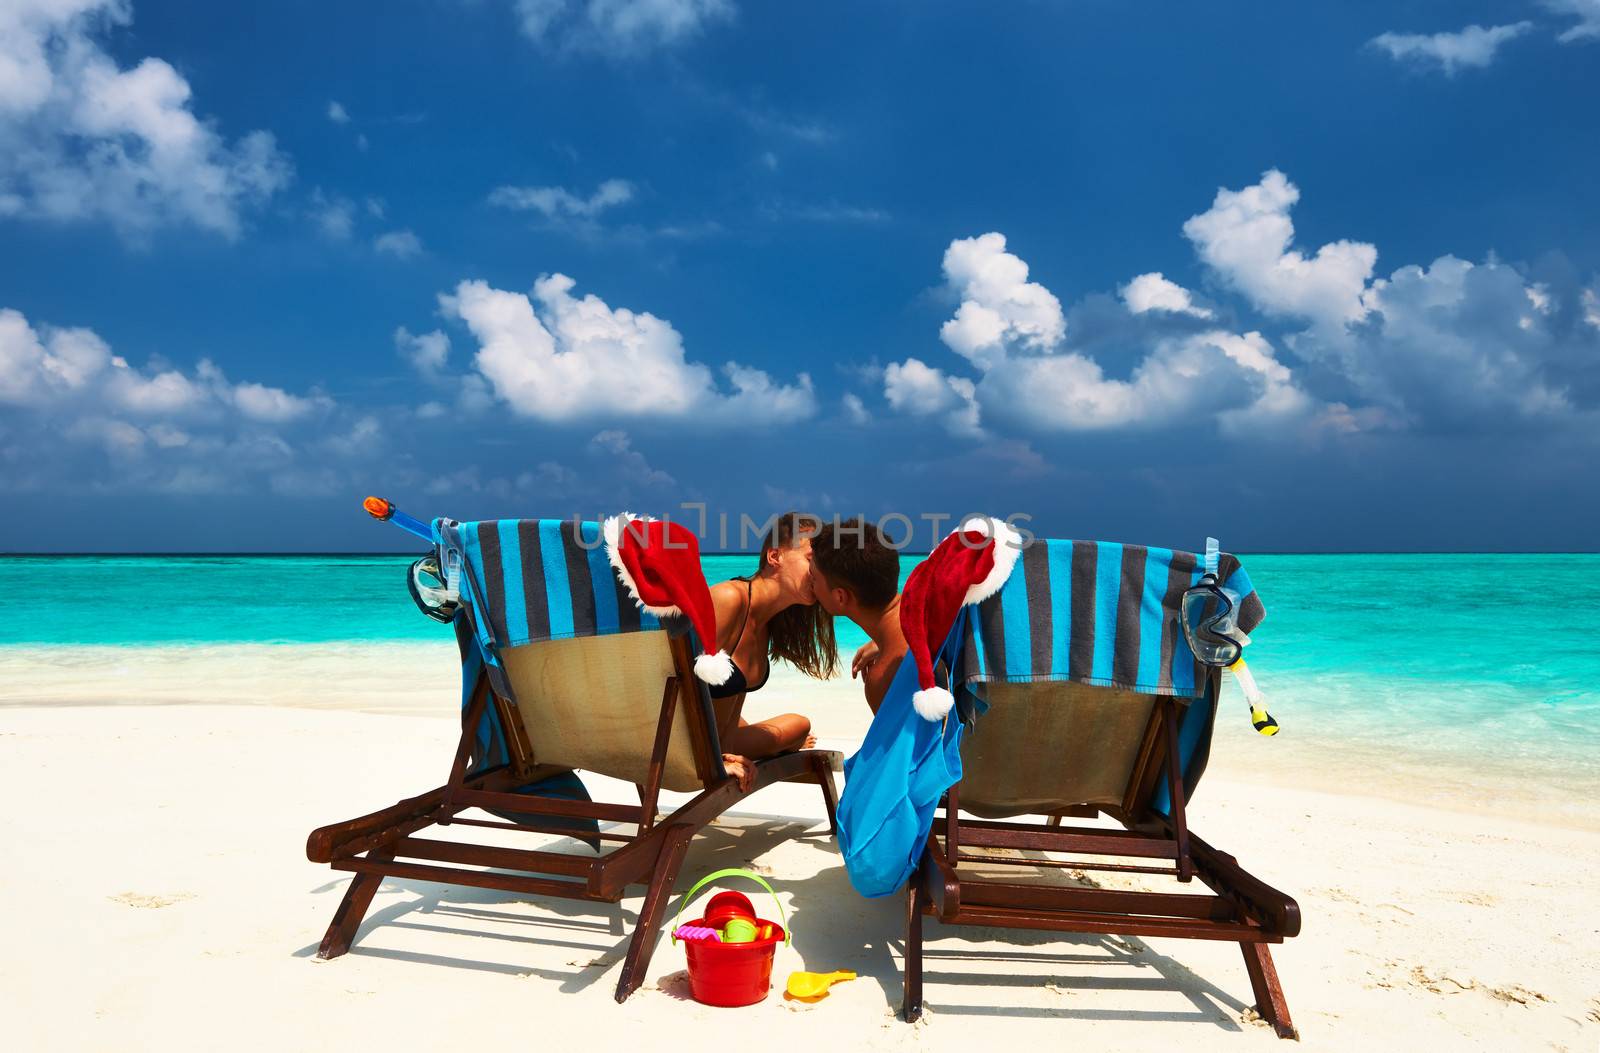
[(1210, 623), (1211, 626), (432, 591)]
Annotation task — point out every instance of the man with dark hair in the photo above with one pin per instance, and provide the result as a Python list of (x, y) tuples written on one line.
[(855, 572)]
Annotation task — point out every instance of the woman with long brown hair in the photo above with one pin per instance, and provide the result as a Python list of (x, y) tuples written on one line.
[(769, 615)]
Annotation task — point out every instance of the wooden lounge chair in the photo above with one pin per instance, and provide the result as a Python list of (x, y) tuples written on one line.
[(1058, 748), (619, 700)]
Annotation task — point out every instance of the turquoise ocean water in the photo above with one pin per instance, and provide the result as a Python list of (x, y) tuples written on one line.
[(1491, 655)]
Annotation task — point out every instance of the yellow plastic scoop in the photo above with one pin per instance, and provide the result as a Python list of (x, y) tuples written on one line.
[(811, 986)]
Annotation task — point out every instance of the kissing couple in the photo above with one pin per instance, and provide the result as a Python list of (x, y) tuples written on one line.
[(808, 572)]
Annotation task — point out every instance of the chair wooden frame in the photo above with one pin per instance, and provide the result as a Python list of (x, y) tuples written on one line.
[(384, 843), (1240, 908)]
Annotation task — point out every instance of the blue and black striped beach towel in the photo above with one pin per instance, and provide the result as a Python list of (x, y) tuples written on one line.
[(531, 580), (528, 581), (1099, 613)]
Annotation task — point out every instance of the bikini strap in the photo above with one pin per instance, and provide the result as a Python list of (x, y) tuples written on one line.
[(749, 601)]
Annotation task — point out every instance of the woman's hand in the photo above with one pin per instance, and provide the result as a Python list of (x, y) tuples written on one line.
[(740, 768), (866, 654)]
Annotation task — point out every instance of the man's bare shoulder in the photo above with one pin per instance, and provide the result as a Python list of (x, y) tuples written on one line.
[(880, 676)]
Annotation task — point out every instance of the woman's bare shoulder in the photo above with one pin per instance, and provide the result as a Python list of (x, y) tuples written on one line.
[(727, 598)]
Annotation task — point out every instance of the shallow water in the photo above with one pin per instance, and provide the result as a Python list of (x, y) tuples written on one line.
[(1457, 657)]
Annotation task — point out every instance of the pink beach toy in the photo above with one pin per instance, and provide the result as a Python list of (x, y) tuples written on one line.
[(697, 932)]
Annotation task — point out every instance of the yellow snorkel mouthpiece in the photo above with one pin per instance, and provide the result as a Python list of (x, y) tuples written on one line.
[(1260, 719)]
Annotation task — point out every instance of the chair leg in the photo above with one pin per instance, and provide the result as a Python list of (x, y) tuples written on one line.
[(674, 843), (1270, 1002), (916, 900), (347, 919), (830, 794)]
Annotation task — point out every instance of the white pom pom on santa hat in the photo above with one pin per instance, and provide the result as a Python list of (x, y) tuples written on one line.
[(658, 561), (932, 703), (714, 669)]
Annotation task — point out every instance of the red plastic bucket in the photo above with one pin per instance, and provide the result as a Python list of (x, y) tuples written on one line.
[(730, 974)]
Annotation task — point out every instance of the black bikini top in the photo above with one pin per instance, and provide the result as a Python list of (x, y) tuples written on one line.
[(737, 684)]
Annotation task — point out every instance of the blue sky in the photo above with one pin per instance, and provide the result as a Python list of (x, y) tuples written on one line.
[(1309, 276)]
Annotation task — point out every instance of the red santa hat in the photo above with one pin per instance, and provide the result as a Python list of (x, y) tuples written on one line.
[(659, 562), (969, 566)]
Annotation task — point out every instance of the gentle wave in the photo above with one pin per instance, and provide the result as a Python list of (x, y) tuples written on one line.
[(1487, 656)]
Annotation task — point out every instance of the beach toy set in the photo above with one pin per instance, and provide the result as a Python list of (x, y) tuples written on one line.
[(730, 949)]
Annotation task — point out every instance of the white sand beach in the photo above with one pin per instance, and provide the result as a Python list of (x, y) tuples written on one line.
[(158, 894)]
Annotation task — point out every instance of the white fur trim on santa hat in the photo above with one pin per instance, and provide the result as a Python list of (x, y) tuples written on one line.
[(714, 669), (1007, 547), (611, 534), (932, 703)]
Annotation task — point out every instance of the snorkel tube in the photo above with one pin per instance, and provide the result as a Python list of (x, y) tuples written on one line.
[(1259, 717), (434, 581), (385, 512), (1216, 639)]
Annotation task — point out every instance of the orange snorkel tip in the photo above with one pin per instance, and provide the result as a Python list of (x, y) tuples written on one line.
[(378, 508)]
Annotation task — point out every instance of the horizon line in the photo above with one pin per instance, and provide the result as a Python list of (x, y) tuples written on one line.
[(755, 552)]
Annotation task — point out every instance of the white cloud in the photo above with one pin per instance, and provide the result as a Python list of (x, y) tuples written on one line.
[(999, 307), (1216, 373), (332, 215), (1472, 47), (427, 352), (1153, 292), (618, 27), (401, 244), (35, 367), (1453, 346), (1014, 331), (631, 465), (259, 402), (363, 437), (1245, 237), (50, 367), (1450, 344), (572, 358), (66, 396), (337, 114), (855, 411), (537, 16), (82, 138), (554, 202), (756, 396), (1587, 13), (167, 392), (913, 387)]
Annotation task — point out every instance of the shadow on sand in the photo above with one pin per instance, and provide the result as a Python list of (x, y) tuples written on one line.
[(831, 928)]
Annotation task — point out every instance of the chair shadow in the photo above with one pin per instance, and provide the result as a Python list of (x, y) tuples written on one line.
[(1211, 1003), (872, 945), (465, 910), (876, 951)]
